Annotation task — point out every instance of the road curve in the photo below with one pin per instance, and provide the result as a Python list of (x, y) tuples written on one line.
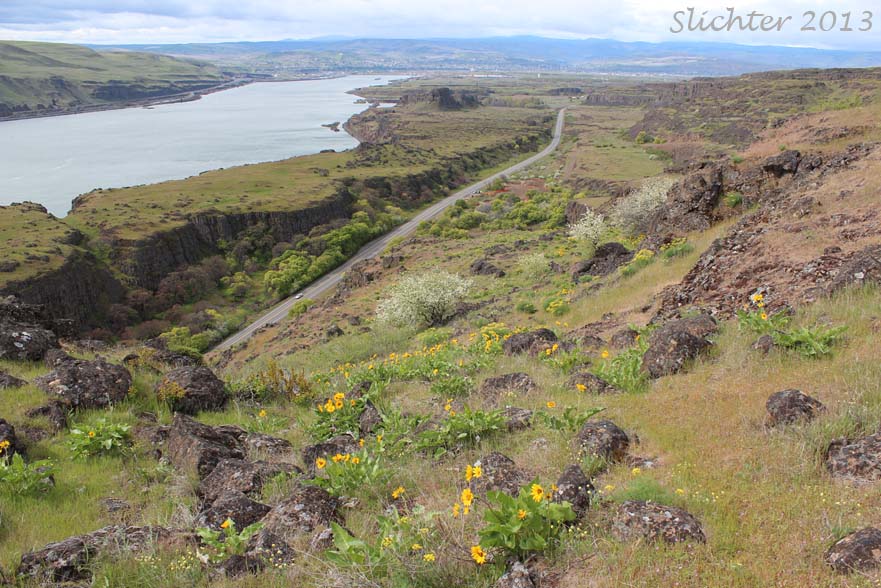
[(375, 247)]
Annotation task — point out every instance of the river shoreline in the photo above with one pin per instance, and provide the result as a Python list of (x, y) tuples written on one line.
[(161, 100)]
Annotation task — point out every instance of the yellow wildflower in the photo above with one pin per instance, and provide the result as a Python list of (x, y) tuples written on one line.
[(226, 524), (429, 557), (360, 442), (398, 492), (580, 387), (416, 547), (386, 542), (469, 473), (337, 458), (262, 413), (764, 316), (551, 404), (467, 497), (320, 463), (478, 555), (636, 471), (680, 491), (91, 434), (537, 493), (477, 471), (456, 508), (356, 460), (521, 514), (605, 354)]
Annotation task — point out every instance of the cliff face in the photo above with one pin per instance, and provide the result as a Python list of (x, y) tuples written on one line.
[(150, 260), (81, 290)]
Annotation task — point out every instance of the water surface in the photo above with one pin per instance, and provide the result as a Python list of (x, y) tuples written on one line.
[(52, 160)]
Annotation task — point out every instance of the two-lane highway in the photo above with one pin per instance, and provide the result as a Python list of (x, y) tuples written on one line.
[(375, 247)]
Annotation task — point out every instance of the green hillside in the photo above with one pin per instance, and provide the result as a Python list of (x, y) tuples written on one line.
[(61, 77)]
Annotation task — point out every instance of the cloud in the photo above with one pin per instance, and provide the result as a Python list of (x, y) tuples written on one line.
[(172, 21)]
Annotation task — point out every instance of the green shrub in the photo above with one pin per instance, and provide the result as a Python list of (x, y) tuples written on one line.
[(556, 306), (646, 489), (815, 341), (227, 542), (102, 438), (460, 430), (733, 199), (570, 420), (624, 371), (453, 386), (300, 307), (528, 524), (338, 415), (527, 307), (181, 340), (342, 474), (277, 383), (676, 248), (642, 259), (20, 478)]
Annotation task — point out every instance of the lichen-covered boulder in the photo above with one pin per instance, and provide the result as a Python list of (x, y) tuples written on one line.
[(237, 507), (790, 406), (341, 444), (523, 342), (197, 448), (638, 519), (192, 389), (238, 475), (591, 384), (859, 551), (499, 472), (306, 509), (10, 381), (858, 460), (500, 388), (603, 439), (82, 384), (574, 487), (676, 342)]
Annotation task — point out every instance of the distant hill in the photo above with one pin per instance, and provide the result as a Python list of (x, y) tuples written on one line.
[(55, 77), (524, 53)]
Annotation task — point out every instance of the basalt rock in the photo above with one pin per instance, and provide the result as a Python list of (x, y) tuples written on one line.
[(858, 460), (189, 390), (677, 342), (263, 444), (574, 487), (606, 259), (66, 561), (603, 439), (10, 381), (864, 267), (242, 510), (692, 204), (483, 267), (369, 420), (517, 576), (54, 412), (341, 444), (637, 519), (523, 342), (790, 406), (237, 475), (517, 419), (81, 384), (25, 342), (859, 551), (500, 473), (782, 164), (306, 509), (500, 388), (9, 443), (197, 448), (592, 383)]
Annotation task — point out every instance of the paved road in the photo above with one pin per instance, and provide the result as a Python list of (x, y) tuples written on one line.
[(375, 247)]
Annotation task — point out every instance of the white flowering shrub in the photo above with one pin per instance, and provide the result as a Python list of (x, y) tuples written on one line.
[(589, 228), (633, 213), (426, 299)]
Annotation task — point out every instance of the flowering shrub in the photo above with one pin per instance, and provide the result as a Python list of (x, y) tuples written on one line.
[(428, 299), (633, 213), (102, 438), (340, 474), (338, 415), (533, 265), (226, 542), (277, 383), (642, 259), (18, 477), (529, 523), (589, 228)]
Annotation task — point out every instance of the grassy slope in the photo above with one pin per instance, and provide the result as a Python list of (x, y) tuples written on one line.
[(767, 504), (32, 238), (28, 67)]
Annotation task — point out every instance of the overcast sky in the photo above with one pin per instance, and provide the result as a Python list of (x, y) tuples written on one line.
[(177, 21)]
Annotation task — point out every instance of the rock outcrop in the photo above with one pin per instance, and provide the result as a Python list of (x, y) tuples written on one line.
[(189, 390), (790, 406), (637, 519), (676, 342), (82, 384), (857, 552), (603, 439)]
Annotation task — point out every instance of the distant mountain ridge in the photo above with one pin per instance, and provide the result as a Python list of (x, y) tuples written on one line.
[(524, 53)]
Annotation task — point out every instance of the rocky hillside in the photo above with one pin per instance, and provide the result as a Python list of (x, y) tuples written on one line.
[(666, 378)]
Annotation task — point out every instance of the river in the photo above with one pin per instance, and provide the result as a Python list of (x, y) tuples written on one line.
[(52, 160)]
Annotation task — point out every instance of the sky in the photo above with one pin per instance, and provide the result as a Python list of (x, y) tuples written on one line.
[(181, 21)]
